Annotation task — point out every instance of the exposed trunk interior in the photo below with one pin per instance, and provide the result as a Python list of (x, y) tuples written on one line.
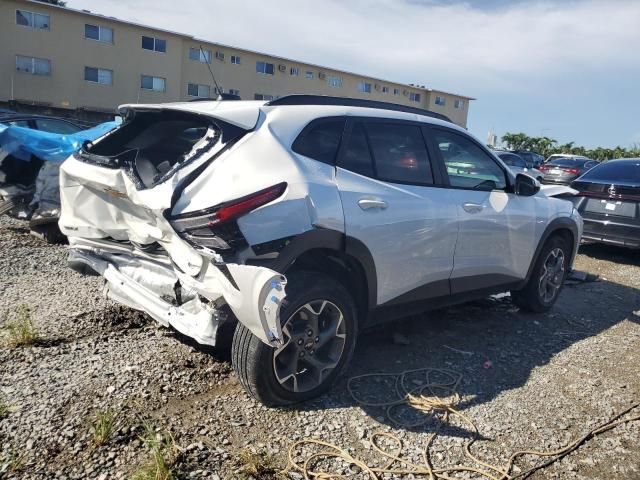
[(153, 142)]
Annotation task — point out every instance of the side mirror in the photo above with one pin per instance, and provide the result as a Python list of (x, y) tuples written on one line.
[(526, 186)]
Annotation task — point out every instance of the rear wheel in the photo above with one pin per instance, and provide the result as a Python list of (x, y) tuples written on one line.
[(319, 329), (547, 278)]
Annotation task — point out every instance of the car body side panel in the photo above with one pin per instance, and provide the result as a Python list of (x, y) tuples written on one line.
[(500, 241), (412, 240), (499, 238)]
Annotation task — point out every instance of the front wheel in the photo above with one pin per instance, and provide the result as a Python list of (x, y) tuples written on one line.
[(547, 278), (319, 329)]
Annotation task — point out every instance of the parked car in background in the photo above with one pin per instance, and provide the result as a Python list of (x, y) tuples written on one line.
[(353, 215), (532, 159), (562, 155), (564, 170), (517, 165), (29, 161), (609, 202), (40, 122)]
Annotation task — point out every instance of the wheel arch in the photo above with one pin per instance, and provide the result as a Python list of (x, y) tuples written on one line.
[(563, 227), (344, 258)]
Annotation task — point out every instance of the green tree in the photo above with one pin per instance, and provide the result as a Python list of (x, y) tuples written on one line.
[(547, 146)]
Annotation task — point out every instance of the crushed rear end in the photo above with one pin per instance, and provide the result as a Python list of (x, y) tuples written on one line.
[(119, 199)]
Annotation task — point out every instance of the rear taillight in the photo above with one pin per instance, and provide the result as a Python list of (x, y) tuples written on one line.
[(543, 168), (216, 227), (572, 171), (237, 208)]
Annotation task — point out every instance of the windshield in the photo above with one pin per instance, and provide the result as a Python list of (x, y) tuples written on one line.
[(512, 160)]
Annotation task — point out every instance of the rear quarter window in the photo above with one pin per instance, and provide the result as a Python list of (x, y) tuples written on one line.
[(320, 140)]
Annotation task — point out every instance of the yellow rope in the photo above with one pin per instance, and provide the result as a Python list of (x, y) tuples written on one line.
[(425, 398)]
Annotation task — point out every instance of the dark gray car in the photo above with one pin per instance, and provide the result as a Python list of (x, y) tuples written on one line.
[(564, 170)]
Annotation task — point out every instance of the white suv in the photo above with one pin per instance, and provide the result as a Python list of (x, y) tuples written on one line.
[(306, 219)]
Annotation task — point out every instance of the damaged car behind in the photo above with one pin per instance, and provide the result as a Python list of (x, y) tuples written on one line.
[(32, 147), (300, 222)]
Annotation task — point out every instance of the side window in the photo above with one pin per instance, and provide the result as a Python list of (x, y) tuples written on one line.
[(321, 141), (399, 153), (468, 166), (20, 123), (55, 126), (357, 157)]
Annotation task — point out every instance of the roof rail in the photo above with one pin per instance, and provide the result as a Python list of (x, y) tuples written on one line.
[(352, 102)]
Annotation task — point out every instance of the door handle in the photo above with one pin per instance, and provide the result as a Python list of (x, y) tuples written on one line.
[(369, 203), (470, 207)]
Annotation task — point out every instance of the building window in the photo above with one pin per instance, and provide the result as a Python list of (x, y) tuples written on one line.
[(414, 97), (235, 59), (264, 68), (98, 75), (308, 74), (396, 91), (441, 101), (364, 87), (262, 96), (199, 55), (458, 104), (33, 20), (148, 82), (335, 82), (35, 66), (96, 32), (155, 44), (233, 91), (295, 71), (220, 56), (195, 90), (385, 89)]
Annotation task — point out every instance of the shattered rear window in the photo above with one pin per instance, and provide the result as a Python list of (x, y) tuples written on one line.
[(153, 143)]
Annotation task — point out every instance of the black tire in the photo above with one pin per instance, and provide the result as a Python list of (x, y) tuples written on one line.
[(253, 361), (530, 297)]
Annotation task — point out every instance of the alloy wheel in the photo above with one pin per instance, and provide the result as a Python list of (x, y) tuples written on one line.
[(552, 275), (314, 342)]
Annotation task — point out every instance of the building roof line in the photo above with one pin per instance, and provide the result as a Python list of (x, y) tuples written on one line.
[(242, 49)]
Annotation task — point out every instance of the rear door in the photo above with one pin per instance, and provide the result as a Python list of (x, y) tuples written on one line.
[(496, 237), (392, 204)]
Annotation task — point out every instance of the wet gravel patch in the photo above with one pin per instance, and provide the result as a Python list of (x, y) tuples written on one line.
[(529, 381)]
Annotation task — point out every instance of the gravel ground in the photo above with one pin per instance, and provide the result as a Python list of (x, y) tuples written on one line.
[(529, 381)]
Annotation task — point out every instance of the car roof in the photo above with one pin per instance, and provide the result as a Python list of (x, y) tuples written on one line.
[(245, 113)]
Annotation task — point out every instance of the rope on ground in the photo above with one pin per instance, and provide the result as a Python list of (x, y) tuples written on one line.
[(429, 397)]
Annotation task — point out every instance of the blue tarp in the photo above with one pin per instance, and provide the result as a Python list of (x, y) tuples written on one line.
[(51, 147)]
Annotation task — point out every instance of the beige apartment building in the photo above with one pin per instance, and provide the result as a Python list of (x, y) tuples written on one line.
[(63, 58)]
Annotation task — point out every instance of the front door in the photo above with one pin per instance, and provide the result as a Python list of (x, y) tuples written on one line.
[(496, 237)]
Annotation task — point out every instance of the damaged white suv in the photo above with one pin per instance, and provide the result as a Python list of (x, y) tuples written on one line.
[(305, 220)]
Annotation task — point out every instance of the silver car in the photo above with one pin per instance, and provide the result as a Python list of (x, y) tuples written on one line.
[(302, 221), (517, 164)]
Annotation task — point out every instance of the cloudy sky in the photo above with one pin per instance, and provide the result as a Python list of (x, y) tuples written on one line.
[(569, 69)]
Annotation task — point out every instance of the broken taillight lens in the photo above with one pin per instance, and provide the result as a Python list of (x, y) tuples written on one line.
[(216, 227)]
